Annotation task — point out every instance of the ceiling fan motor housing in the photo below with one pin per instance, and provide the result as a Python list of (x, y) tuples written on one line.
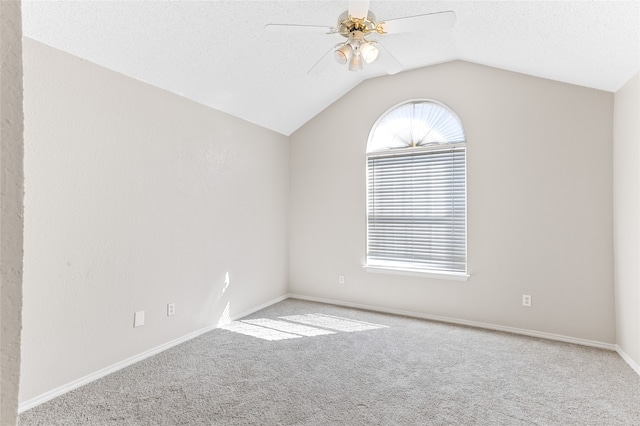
[(348, 24)]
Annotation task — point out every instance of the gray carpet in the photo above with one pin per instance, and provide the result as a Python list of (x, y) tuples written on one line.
[(373, 369)]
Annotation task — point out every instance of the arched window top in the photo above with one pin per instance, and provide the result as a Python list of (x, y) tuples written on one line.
[(416, 123)]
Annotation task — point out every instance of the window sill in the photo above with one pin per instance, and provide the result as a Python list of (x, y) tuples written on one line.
[(455, 276)]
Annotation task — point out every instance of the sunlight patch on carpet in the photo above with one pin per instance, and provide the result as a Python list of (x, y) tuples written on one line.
[(294, 326), (333, 323), (289, 327), (257, 331)]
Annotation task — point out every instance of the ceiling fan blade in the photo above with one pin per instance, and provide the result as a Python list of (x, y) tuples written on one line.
[(430, 21), (387, 61), (322, 63), (358, 9), (294, 28)]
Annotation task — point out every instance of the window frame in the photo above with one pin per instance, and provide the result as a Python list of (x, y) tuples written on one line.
[(400, 269)]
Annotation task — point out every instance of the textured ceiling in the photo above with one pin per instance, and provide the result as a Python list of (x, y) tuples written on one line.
[(217, 53)]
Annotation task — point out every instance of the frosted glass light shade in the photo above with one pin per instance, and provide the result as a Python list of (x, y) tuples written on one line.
[(355, 64), (343, 54), (369, 52)]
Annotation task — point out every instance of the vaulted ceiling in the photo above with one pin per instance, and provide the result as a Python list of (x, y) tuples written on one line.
[(218, 53)]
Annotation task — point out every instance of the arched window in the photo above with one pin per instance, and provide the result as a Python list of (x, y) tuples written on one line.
[(416, 191)]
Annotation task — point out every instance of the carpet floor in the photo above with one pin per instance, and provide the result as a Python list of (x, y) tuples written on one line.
[(303, 363)]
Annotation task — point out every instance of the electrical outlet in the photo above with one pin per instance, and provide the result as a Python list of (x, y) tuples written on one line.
[(171, 309), (526, 300), (340, 279), (138, 319)]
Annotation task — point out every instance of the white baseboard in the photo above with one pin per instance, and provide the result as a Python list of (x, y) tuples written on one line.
[(26, 405), (522, 331), (628, 360)]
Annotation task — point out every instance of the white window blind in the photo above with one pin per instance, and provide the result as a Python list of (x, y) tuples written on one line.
[(416, 192), (417, 214)]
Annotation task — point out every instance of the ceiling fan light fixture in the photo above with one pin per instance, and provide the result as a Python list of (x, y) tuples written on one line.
[(357, 23), (355, 63), (369, 52), (343, 54)]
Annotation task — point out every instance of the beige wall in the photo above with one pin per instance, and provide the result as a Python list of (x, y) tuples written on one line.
[(539, 202), (626, 195), (11, 218), (135, 198)]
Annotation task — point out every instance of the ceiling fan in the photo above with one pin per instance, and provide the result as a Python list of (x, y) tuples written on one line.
[(356, 24)]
